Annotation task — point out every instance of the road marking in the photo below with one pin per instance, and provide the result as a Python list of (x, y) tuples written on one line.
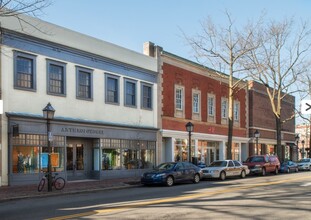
[(306, 184), (175, 199)]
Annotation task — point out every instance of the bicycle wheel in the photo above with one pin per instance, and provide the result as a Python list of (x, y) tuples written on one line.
[(41, 184), (59, 183)]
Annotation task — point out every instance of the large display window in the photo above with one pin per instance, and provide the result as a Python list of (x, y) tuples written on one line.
[(30, 154), (127, 154)]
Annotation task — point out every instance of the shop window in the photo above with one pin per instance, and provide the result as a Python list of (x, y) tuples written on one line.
[(110, 158), (25, 159), (24, 71), (57, 159), (30, 154)]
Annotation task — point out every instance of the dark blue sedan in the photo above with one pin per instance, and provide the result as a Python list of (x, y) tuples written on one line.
[(172, 172), (289, 166)]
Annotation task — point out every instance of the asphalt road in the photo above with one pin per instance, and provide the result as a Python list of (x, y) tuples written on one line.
[(286, 196)]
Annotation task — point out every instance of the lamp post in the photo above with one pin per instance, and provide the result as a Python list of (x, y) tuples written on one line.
[(257, 135), (303, 148), (297, 141), (189, 128), (48, 114)]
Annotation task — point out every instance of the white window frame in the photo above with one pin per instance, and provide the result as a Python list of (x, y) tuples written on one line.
[(180, 109), (211, 106), (224, 108), (196, 103)]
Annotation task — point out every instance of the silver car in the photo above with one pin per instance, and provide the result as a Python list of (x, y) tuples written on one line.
[(304, 164), (225, 168)]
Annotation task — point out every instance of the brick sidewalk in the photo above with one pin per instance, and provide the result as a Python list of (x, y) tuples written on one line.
[(20, 192)]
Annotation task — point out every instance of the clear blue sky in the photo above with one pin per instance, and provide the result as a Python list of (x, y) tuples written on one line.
[(130, 23)]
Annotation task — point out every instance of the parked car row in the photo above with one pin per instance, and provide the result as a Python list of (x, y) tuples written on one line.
[(174, 172)]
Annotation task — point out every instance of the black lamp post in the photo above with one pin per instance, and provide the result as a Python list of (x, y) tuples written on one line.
[(189, 127), (297, 141), (303, 148), (257, 135), (48, 114)]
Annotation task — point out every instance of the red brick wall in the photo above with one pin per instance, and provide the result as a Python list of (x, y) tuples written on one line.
[(174, 75), (261, 115)]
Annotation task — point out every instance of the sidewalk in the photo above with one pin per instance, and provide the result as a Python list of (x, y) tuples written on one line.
[(20, 192)]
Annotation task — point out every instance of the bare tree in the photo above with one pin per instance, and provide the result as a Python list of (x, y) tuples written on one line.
[(18, 8), (223, 47), (279, 61), (15, 8)]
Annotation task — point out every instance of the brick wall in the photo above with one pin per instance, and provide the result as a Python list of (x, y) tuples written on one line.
[(175, 75)]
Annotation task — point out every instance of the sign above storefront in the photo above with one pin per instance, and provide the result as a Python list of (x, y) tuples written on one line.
[(73, 130)]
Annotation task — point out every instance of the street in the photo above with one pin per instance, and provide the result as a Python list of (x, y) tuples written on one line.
[(284, 196)]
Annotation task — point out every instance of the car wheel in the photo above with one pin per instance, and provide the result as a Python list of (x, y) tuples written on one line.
[(243, 174), (222, 176), (276, 172), (263, 172), (169, 181), (296, 170), (196, 178)]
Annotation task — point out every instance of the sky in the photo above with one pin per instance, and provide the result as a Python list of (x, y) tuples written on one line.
[(130, 23)]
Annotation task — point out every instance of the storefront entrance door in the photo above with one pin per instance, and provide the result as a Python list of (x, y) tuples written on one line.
[(77, 164), (211, 155)]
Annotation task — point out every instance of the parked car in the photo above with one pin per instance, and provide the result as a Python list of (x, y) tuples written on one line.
[(224, 168), (172, 172), (288, 166), (201, 165), (263, 164), (304, 164)]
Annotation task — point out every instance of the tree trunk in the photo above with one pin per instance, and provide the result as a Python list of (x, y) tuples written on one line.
[(279, 138)]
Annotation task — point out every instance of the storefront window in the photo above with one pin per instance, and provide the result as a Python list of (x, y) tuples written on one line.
[(235, 151), (25, 159), (111, 159), (57, 159), (30, 154)]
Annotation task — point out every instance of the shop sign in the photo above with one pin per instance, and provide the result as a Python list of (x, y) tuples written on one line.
[(81, 131)]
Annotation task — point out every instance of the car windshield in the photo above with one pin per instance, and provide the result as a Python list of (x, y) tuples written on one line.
[(218, 164), (255, 159), (304, 160), (165, 166)]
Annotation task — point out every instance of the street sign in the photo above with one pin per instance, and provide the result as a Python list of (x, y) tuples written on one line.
[(305, 106)]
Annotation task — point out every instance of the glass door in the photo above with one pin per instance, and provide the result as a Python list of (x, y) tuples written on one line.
[(75, 160)]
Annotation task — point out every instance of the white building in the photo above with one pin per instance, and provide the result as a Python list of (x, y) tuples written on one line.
[(105, 98)]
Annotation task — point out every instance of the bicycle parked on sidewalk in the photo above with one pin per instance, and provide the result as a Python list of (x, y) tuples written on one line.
[(57, 182)]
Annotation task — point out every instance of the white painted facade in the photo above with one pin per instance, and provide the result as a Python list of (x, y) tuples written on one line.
[(132, 66)]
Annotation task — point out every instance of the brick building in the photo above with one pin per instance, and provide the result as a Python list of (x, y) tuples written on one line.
[(196, 94), (262, 119)]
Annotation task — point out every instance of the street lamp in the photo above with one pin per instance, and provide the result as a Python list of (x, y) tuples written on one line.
[(189, 128), (297, 141), (303, 148), (257, 135), (48, 114)]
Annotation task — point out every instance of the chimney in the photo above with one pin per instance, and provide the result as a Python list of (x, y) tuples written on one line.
[(149, 49)]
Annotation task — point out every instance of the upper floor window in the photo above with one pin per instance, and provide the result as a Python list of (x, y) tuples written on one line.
[(56, 83), (224, 108), (112, 89), (130, 93), (84, 83), (146, 96), (24, 71), (236, 111), (196, 103), (179, 98), (211, 105)]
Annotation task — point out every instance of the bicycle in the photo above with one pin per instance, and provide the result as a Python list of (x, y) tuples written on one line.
[(58, 183)]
